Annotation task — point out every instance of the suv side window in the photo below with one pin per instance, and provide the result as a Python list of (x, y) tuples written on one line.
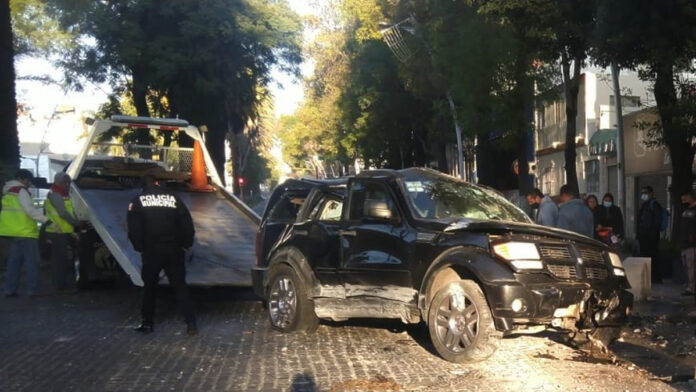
[(331, 210), (364, 191), (286, 208)]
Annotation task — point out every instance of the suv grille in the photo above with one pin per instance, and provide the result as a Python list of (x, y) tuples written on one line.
[(591, 256), (596, 273), (563, 271), (561, 253)]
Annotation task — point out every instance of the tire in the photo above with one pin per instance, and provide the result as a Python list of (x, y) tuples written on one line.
[(467, 334), (289, 308), (600, 337)]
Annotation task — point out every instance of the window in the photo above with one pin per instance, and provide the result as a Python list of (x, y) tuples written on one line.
[(361, 192), (331, 210), (287, 208), (592, 176), (627, 101)]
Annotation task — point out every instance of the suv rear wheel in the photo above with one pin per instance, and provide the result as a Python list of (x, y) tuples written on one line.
[(460, 323), (289, 309)]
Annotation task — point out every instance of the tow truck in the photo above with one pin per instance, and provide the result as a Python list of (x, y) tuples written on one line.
[(106, 178)]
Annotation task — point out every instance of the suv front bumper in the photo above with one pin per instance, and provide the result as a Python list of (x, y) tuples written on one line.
[(562, 305)]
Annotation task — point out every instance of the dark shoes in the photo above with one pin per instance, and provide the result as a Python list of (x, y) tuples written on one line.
[(191, 329), (144, 328)]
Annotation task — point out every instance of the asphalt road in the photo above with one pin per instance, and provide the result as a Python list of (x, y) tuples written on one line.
[(84, 342)]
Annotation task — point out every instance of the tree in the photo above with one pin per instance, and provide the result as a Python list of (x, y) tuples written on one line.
[(9, 142), (207, 57), (659, 40)]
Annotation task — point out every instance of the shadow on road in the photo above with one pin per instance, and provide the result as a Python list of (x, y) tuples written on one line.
[(303, 382), (656, 362)]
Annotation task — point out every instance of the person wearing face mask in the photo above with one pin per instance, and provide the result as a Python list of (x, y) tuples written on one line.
[(544, 210), (573, 214), (687, 239), (592, 203), (18, 219), (648, 227), (609, 221)]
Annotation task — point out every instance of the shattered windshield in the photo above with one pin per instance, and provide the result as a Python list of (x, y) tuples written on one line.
[(442, 198)]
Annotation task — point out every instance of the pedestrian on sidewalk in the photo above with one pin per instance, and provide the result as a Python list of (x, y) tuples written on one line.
[(573, 214), (544, 210), (648, 227), (161, 229), (687, 237), (59, 209), (609, 222), (592, 203), (18, 219)]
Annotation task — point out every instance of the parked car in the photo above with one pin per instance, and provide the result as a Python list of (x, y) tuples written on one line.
[(421, 246)]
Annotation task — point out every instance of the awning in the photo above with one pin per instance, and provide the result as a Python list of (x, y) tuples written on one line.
[(603, 142)]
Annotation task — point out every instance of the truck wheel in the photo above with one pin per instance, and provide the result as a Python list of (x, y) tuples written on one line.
[(289, 309), (460, 323), (600, 337)]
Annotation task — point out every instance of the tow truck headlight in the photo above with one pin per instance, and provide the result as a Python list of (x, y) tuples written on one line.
[(522, 255), (617, 264)]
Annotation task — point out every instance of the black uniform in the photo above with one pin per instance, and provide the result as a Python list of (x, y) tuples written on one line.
[(160, 228)]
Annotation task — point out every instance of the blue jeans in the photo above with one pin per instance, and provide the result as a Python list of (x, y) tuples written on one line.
[(22, 250)]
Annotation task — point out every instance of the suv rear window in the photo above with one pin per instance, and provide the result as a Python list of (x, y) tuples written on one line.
[(287, 207)]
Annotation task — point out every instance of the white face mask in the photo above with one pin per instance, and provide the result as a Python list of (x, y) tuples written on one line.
[(644, 197), (607, 204)]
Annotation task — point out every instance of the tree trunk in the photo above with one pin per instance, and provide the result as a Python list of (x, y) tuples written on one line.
[(215, 142), (9, 140), (676, 138), (571, 88), (142, 136), (523, 94)]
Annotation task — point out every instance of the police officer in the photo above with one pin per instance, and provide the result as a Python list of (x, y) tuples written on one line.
[(59, 209), (18, 219), (161, 229)]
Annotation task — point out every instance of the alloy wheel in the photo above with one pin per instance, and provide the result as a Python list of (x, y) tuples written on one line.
[(457, 322), (282, 302)]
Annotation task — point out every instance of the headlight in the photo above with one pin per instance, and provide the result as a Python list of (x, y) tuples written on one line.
[(522, 255), (617, 264), (615, 260)]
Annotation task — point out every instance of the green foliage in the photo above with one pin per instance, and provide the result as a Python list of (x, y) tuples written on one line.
[(36, 31)]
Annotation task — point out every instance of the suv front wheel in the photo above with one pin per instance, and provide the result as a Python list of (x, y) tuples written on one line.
[(289, 308), (460, 323)]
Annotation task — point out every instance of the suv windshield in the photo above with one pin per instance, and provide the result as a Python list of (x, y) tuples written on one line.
[(441, 197)]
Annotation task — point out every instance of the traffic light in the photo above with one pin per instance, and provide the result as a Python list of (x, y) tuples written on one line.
[(241, 181)]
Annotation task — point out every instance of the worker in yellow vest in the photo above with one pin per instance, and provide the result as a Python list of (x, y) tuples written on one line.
[(18, 219), (59, 210)]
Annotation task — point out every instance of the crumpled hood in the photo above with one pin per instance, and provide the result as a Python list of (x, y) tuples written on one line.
[(11, 184), (522, 228)]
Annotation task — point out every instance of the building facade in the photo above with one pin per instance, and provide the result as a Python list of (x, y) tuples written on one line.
[(595, 139)]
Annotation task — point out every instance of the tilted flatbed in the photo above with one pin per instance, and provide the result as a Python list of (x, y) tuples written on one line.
[(104, 185)]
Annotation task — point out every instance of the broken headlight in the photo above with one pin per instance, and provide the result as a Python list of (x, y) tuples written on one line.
[(616, 264), (522, 255)]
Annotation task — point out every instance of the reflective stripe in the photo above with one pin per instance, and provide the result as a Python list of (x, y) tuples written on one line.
[(59, 225), (14, 222)]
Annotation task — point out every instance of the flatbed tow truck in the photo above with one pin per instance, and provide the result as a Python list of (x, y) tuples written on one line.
[(106, 178)]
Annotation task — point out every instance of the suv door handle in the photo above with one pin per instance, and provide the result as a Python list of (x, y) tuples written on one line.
[(351, 233)]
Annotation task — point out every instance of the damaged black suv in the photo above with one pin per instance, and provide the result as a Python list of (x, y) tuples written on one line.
[(418, 245)]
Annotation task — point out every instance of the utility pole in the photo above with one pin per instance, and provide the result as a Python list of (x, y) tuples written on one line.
[(619, 141)]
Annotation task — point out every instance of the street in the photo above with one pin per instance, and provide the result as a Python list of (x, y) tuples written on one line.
[(84, 342)]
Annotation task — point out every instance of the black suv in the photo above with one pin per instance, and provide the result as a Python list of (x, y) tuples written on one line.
[(418, 245)]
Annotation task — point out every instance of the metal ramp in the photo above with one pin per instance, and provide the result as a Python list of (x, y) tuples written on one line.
[(223, 253)]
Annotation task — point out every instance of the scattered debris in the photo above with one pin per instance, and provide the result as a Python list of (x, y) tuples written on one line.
[(377, 383)]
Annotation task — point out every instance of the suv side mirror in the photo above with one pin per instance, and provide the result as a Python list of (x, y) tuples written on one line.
[(377, 209)]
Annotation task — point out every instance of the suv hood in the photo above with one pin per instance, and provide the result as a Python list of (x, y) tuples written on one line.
[(514, 227)]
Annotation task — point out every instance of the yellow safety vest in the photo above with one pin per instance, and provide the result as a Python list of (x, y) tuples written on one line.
[(14, 222), (59, 225)]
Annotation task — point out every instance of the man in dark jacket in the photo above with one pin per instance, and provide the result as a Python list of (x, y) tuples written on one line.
[(161, 229), (648, 227), (687, 239)]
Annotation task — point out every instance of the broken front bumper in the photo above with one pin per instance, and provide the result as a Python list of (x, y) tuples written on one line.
[(561, 305)]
